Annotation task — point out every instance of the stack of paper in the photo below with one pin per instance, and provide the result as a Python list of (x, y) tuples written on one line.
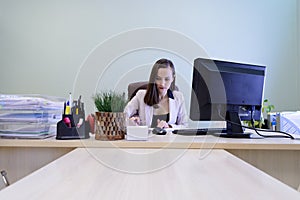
[(289, 122), (29, 116)]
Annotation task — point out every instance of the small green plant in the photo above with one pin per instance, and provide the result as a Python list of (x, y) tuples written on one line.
[(266, 108), (110, 101)]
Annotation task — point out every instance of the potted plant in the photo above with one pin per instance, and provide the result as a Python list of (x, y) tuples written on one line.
[(263, 123), (109, 118), (266, 108)]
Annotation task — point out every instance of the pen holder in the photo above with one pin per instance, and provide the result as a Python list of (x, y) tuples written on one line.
[(75, 128)]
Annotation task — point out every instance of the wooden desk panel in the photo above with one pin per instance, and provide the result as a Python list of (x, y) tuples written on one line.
[(163, 141), (218, 175), (277, 157), (281, 164), (19, 162)]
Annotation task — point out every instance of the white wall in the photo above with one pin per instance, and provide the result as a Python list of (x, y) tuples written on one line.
[(53, 47)]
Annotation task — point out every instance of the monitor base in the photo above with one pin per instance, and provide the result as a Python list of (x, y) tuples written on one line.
[(233, 135)]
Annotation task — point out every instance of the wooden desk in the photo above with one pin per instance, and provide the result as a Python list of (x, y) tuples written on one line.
[(81, 174), (278, 157)]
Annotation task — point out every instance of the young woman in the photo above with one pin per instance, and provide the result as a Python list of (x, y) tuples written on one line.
[(159, 105)]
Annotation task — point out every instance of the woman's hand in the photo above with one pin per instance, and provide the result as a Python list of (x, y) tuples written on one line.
[(162, 124), (134, 121)]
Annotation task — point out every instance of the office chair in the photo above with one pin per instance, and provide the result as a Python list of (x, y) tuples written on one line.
[(134, 87)]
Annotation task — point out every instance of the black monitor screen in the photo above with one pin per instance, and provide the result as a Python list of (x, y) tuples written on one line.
[(226, 91)]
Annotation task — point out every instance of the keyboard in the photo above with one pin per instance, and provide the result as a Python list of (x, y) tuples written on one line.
[(198, 131)]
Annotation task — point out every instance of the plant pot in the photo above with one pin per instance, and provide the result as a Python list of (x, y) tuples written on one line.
[(110, 125)]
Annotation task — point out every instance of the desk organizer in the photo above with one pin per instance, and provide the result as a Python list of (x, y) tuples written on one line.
[(66, 133)]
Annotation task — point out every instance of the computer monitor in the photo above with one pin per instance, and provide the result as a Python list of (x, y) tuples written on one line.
[(227, 91)]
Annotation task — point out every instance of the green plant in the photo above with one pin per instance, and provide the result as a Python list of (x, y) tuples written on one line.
[(265, 109), (110, 101)]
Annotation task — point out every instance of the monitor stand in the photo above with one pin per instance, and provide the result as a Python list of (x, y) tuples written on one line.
[(234, 127), (234, 135)]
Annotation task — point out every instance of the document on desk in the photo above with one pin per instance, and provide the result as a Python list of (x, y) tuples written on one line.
[(289, 122), (29, 132), (30, 102), (29, 116), (27, 135)]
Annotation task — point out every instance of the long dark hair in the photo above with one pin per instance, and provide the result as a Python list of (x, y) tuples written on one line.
[(152, 93)]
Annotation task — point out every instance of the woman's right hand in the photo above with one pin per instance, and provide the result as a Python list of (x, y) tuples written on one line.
[(134, 121)]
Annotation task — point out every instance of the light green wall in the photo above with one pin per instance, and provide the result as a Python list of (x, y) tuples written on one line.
[(298, 53), (44, 44)]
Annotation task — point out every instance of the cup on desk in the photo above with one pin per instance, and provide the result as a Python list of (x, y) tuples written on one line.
[(139, 133)]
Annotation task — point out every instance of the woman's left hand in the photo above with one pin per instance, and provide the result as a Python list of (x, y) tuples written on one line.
[(162, 124)]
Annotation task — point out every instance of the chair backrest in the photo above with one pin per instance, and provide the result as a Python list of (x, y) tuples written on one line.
[(133, 88)]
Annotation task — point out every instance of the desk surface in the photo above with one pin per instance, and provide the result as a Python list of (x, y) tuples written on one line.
[(81, 175), (278, 157), (164, 141)]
